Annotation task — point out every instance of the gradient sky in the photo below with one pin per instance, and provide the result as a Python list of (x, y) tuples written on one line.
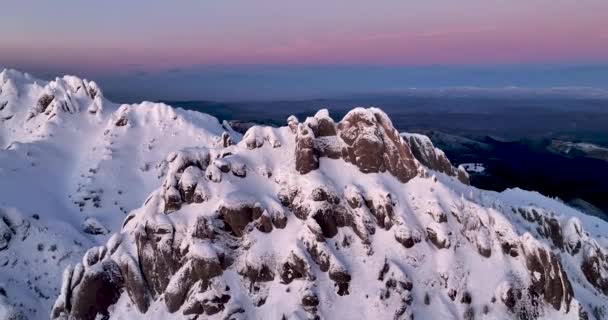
[(147, 36)]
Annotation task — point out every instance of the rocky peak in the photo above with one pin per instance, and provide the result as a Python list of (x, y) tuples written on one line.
[(265, 228), (364, 137)]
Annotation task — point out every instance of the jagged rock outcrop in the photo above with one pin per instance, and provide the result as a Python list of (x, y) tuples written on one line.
[(548, 277), (364, 137), (63, 95), (595, 267), (306, 155), (433, 158)]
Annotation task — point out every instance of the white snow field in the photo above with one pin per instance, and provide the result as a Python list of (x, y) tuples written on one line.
[(146, 211)]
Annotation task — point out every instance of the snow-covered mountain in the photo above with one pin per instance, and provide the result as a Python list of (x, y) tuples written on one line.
[(146, 211)]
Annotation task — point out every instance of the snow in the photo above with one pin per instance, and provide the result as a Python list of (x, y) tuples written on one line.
[(55, 169), (79, 167), (474, 167)]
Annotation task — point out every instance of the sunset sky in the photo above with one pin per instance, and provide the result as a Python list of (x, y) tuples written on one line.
[(101, 38)]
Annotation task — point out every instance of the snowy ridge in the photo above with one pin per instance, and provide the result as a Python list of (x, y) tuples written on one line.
[(316, 219), (69, 175)]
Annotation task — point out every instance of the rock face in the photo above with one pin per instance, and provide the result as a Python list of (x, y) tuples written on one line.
[(300, 221), (374, 145), (365, 138), (306, 155), (594, 267), (433, 158), (548, 277), (90, 288)]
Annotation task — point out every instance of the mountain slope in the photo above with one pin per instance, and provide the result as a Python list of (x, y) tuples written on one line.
[(73, 167), (312, 220)]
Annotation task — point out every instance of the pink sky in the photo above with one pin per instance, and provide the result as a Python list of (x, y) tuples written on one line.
[(156, 36)]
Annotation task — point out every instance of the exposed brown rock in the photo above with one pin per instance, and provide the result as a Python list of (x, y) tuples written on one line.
[(226, 140), (293, 268), (550, 228), (215, 304), (193, 308), (237, 217), (279, 220), (318, 255), (407, 237), (157, 257), (223, 165), (439, 241), (310, 300), (548, 277), (425, 152), (264, 223), (188, 182), (341, 277), (326, 126), (353, 197), (203, 229), (381, 208), (433, 158), (195, 269), (595, 267), (307, 157), (463, 176), (135, 285), (329, 219), (239, 170), (367, 139), (43, 102), (373, 144), (99, 288), (260, 273), (173, 200), (122, 121), (510, 248)]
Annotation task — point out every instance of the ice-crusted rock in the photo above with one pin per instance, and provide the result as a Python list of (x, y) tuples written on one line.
[(189, 181), (548, 277), (89, 291), (595, 266), (5, 235), (438, 236), (184, 181), (93, 226), (433, 158), (408, 238), (325, 124), (257, 136), (67, 95)]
